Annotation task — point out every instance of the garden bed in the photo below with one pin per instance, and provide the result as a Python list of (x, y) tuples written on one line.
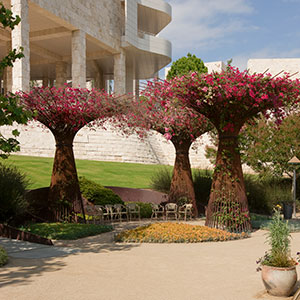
[(176, 233), (66, 231)]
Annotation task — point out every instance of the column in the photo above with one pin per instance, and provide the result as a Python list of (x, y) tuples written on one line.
[(78, 59), (20, 38), (120, 73), (99, 80), (61, 74), (7, 74)]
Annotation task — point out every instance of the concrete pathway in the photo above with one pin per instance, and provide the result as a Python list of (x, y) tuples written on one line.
[(97, 268)]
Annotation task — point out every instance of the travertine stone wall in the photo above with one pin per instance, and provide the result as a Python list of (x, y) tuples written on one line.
[(106, 145), (20, 38)]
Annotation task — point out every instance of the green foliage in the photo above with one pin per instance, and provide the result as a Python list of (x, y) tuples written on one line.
[(185, 65), (3, 257), (267, 148), (10, 110), (98, 194), (161, 180), (66, 231), (13, 186), (145, 208), (279, 240)]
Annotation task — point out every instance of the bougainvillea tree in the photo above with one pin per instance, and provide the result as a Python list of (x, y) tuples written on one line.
[(158, 110), (229, 99), (64, 112)]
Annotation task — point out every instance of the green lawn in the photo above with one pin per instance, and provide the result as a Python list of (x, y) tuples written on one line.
[(66, 231), (130, 175)]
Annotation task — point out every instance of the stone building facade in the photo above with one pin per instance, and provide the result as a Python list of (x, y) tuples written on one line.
[(87, 40)]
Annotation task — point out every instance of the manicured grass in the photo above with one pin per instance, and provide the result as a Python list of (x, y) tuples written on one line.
[(3, 257), (129, 175), (176, 233), (66, 231)]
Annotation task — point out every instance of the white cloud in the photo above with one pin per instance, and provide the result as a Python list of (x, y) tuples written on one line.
[(201, 23)]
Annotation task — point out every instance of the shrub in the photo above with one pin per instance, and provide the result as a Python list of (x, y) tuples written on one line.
[(13, 186), (161, 180), (146, 209), (176, 233), (202, 184), (98, 194), (263, 192), (3, 257)]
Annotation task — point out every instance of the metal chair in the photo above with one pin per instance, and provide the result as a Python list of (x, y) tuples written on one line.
[(185, 211), (93, 214), (121, 210), (105, 212), (171, 209), (156, 211), (133, 210), (111, 210)]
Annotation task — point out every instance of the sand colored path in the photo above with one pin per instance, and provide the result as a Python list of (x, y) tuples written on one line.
[(102, 269)]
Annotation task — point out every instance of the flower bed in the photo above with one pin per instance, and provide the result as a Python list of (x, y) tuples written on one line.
[(176, 233)]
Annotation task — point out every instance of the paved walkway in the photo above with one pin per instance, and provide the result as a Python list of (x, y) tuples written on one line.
[(96, 268)]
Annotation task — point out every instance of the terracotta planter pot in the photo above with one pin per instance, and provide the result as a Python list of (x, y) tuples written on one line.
[(279, 281)]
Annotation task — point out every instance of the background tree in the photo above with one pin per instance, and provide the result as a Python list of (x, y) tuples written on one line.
[(229, 99), (159, 111), (10, 110), (65, 111), (267, 148), (185, 65)]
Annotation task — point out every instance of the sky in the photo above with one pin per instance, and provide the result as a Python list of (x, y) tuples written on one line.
[(217, 30)]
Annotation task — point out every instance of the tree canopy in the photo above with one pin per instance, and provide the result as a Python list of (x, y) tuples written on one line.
[(185, 65)]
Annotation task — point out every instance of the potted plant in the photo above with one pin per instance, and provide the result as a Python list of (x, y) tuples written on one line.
[(278, 268)]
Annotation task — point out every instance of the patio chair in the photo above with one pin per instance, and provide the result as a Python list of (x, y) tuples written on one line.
[(105, 212), (133, 210), (121, 210), (185, 211), (111, 210), (93, 214), (171, 209), (156, 211)]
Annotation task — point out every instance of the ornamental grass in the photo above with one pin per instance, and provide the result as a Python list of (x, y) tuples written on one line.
[(176, 233)]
